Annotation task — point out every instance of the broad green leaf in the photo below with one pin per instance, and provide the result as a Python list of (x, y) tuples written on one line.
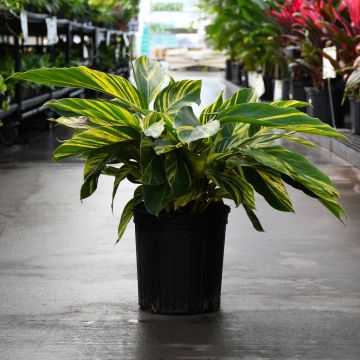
[(155, 129), (237, 187), (149, 77), (121, 174), (253, 218), (270, 186), (164, 145), (295, 104), (185, 117), (103, 113), (177, 173), (127, 213), (156, 197), (194, 194), (208, 113), (273, 116), (242, 96), (94, 138), (95, 162), (178, 94), (83, 77), (189, 134), (152, 166)]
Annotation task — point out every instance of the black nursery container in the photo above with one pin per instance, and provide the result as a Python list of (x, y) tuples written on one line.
[(319, 99), (180, 260), (355, 115)]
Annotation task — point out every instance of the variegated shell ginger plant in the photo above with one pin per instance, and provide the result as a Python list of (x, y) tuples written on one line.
[(149, 134)]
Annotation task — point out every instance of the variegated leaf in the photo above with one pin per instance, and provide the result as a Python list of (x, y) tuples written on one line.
[(178, 94), (75, 123), (94, 138), (188, 134), (267, 115), (178, 174), (242, 96), (156, 197), (127, 213), (99, 112), (208, 113), (295, 104), (83, 77), (95, 162), (149, 77), (152, 167), (155, 129), (163, 145)]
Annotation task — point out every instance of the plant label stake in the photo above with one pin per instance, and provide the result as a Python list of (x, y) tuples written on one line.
[(51, 27), (278, 90), (24, 26), (329, 73)]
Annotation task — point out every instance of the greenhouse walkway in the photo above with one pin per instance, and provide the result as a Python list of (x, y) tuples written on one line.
[(66, 292)]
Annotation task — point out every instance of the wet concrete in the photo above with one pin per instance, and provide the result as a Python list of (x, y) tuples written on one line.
[(66, 292)]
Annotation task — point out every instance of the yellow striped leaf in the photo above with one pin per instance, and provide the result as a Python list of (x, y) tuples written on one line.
[(178, 94), (149, 77), (83, 77), (94, 138), (208, 113), (267, 115), (99, 112)]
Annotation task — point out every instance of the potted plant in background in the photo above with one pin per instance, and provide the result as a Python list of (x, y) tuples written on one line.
[(352, 89), (184, 167)]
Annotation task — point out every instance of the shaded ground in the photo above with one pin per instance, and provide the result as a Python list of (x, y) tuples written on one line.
[(67, 293)]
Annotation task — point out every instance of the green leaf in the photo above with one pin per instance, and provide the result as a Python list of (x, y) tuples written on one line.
[(94, 138), (270, 186), (189, 134), (178, 94), (127, 213), (242, 96), (294, 104), (208, 113), (149, 77), (156, 197), (253, 218), (237, 187), (152, 166), (121, 174), (177, 173), (164, 145), (155, 129), (185, 117), (188, 127), (273, 116), (83, 77), (103, 113), (75, 123), (95, 162)]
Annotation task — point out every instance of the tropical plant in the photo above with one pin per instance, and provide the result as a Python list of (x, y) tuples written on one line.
[(353, 82), (244, 30), (150, 135)]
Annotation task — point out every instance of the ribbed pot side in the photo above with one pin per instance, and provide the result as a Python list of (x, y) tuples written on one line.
[(180, 260)]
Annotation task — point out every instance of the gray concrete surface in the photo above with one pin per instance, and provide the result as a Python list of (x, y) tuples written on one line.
[(66, 292)]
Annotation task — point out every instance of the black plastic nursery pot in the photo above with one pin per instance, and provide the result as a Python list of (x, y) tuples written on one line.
[(269, 89), (297, 89), (236, 72), (320, 101), (180, 260), (355, 115), (228, 69)]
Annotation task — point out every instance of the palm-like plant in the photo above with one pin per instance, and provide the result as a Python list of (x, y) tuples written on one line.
[(150, 135)]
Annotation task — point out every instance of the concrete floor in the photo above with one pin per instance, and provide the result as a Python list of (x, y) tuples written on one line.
[(67, 293)]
